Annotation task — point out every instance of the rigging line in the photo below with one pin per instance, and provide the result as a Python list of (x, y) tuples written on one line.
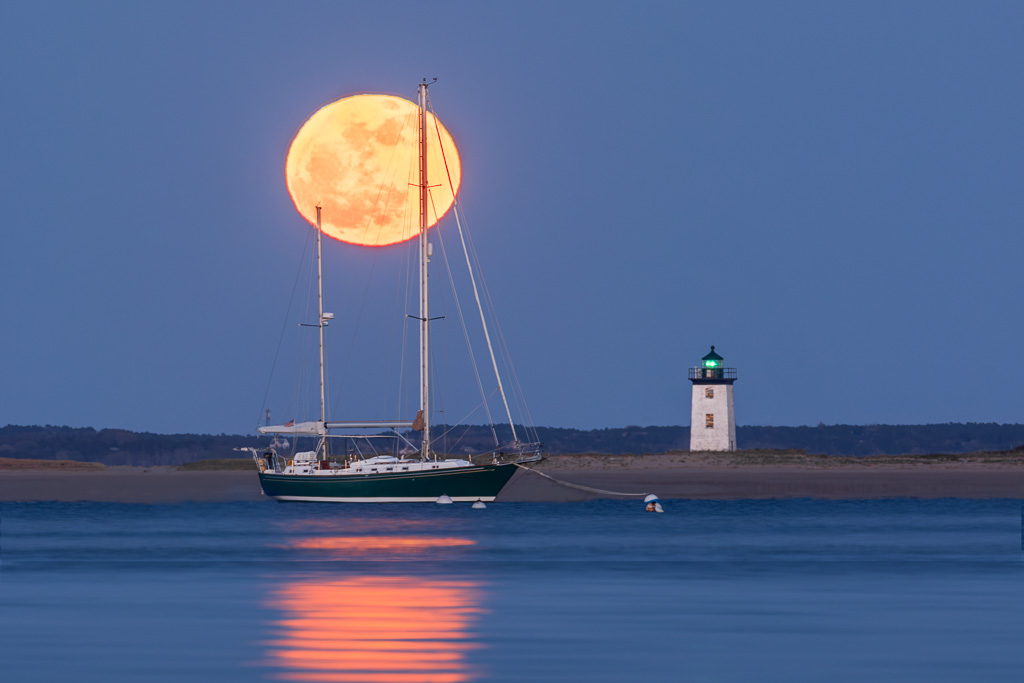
[(436, 392), (438, 384), (376, 253), (300, 407), (355, 328), (403, 351), (405, 328), (506, 357), (465, 333), (483, 322), (389, 167), (404, 306), (284, 326), (470, 413), (400, 317), (518, 395), (469, 347), (355, 331), (459, 440), (472, 279), (411, 303), (402, 437), (579, 486)]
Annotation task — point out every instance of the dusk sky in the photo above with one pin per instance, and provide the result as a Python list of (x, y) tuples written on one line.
[(831, 193)]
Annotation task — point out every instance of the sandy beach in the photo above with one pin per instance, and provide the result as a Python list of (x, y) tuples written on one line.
[(682, 475)]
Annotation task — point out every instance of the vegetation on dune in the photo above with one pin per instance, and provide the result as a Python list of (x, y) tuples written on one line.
[(34, 464), (122, 447), (773, 457), (219, 464), (116, 446)]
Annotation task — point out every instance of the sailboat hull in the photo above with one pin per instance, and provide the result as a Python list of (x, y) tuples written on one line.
[(467, 484)]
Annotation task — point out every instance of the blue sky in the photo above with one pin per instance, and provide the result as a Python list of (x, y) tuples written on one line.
[(828, 192)]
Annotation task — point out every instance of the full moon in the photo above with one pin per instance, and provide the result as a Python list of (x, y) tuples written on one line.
[(358, 158)]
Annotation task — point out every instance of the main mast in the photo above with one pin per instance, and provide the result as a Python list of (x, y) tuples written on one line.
[(424, 279), (320, 319)]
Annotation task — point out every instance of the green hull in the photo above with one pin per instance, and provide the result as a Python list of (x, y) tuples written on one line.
[(460, 484)]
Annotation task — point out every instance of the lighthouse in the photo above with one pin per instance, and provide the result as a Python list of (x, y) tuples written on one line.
[(712, 413)]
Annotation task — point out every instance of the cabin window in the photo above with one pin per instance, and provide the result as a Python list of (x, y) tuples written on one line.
[(709, 421), (709, 393)]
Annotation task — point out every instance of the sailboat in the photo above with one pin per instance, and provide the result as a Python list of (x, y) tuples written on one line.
[(417, 476)]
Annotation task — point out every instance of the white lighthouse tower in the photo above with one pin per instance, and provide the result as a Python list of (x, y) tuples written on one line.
[(712, 413)]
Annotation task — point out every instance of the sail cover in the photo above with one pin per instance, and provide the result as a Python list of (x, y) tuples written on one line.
[(304, 428)]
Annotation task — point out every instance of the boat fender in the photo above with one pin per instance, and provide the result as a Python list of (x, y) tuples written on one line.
[(443, 500)]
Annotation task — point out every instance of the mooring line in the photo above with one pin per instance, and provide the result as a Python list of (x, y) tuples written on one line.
[(577, 486)]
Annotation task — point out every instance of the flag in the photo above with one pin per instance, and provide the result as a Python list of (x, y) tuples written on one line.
[(290, 423), (417, 424)]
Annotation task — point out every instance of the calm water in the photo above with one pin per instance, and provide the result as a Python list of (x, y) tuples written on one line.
[(709, 591)]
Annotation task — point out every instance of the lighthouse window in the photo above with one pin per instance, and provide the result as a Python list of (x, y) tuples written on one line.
[(709, 420), (709, 393)]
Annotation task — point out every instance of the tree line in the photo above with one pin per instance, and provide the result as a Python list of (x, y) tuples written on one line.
[(123, 447)]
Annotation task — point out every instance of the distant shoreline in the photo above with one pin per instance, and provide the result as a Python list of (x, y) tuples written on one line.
[(709, 476), (123, 447)]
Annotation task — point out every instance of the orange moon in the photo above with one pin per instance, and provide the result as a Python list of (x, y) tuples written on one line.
[(358, 158)]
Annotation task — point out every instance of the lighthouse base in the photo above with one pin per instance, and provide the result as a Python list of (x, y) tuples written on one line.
[(712, 417)]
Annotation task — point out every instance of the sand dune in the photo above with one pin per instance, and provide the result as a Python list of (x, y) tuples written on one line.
[(673, 475)]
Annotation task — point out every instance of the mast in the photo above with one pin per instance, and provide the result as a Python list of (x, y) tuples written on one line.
[(320, 318), (424, 280)]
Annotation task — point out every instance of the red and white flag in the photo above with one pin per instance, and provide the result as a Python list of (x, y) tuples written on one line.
[(290, 423)]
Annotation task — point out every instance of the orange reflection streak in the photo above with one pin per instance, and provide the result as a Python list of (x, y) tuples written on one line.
[(375, 629), (377, 678), (366, 543), (377, 548)]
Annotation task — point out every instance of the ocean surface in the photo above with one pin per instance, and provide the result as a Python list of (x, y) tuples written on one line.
[(783, 590)]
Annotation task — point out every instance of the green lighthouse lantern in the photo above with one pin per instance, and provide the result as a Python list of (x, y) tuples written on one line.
[(712, 364)]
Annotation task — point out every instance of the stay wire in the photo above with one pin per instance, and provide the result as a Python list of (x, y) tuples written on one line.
[(465, 333), (284, 326), (300, 406), (469, 265), (373, 264), (518, 396), (581, 487)]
